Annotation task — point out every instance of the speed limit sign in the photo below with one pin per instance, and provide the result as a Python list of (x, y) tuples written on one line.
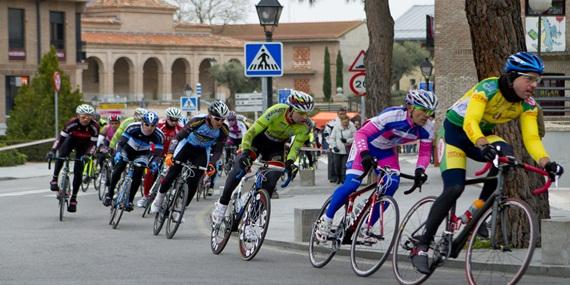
[(358, 84)]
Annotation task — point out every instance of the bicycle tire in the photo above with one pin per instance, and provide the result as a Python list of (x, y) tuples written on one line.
[(162, 214), (249, 250), (86, 178), (385, 227), (218, 242), (178, 205), (483, 273), (153, 190), (123, 200), (64, 190), (412, 223), (327, 248), (102, 177), (200, 188), (97, 181)]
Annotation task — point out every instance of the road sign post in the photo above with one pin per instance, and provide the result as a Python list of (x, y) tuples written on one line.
[(56, 88), (249, 102)]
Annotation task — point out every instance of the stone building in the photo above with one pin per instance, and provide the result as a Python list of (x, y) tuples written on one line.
[(135, 50), (27, 31)]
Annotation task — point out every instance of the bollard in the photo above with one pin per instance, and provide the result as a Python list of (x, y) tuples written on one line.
[(556, 241), (307, 177), (303, 220)]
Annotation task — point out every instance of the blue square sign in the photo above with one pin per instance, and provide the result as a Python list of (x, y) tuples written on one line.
[(263, 59), (189, 104)]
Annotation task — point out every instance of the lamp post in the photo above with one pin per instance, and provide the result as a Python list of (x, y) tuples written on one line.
[(540, 7), (268, 12), (426, 67)]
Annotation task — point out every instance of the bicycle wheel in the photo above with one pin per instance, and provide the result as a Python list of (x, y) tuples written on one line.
[(254, 223), (86, 178), (372, 243), (96, 180), (220, 235), (102, 182), (322, 252), (122, 201), (411, 226), (162, 214), (153, 191), (200, 188), (177, 208), (63, 195), (512, 254)]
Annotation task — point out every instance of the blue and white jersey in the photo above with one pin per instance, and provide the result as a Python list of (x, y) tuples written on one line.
[(138, 141), (199, 133)]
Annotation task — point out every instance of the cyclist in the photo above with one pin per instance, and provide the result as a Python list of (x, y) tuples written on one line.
[(377, 140), (135, 146), (137, 117), (170, 126), (267, 137), (105, 137), (194, 143), (468, 133), (79, 134)]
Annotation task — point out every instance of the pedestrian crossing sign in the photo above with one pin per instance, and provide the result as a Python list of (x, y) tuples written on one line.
[(189, 104), (263, 59)]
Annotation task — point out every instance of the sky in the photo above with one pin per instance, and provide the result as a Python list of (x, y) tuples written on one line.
[(332, 10)]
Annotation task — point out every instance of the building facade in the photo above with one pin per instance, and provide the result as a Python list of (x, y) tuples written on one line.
[(28, 31)]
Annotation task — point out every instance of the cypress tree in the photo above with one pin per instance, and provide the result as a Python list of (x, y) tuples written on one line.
[(339, 70), (327, 76)]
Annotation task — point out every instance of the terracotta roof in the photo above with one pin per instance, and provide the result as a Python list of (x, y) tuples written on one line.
[(130, 3), (160, 39), (289, 31)]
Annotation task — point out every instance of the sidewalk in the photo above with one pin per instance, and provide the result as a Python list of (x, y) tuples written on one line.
[(28, 170)]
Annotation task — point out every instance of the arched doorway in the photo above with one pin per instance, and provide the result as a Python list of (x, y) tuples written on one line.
[(151, 79), (122, 78), (205, 78), (92, 78), (180, 70)]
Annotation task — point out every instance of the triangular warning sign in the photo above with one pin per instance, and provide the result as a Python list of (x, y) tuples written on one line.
[(186, 104), (263, 61), (358, 64)]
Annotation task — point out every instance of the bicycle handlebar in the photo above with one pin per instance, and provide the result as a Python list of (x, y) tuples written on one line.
[(401, 174), (189, 165), (514, 162), (275, 168), (62, 158)]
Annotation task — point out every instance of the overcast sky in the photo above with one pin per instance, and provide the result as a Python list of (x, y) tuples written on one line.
[(332, 10)]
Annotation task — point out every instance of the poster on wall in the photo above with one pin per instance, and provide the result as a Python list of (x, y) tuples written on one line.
[(553, 34)]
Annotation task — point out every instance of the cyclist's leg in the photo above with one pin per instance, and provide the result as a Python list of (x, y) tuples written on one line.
[(386, 157), (182, 153), (506, 149), (64, 151), (141, 158), (199, 158), (149, 178), (118, 169), (270, 151), (78, 166)]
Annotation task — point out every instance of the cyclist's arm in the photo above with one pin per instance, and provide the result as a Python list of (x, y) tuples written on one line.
[(369, 129), (473, 116), (531, 139), (218, 147), (299, 141), (119, 132), (257, 128)]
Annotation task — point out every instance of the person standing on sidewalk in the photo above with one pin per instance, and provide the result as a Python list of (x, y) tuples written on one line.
[(377, 140), (79, 134), (267, 138), (341, 141), (332, 173)]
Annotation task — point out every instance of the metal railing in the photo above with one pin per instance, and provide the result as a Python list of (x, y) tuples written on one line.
[(553, 103)]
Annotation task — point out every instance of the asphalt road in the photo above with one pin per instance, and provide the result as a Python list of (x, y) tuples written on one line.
[(36, 248)]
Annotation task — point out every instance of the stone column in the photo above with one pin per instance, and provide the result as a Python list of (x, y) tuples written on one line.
[(166, 92)]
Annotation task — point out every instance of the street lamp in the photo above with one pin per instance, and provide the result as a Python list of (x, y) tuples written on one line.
[(269, 12), (188, 90), (426, 67), (540, 7)]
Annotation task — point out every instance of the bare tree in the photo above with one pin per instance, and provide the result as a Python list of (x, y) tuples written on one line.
[(496, 32), (211, 11)]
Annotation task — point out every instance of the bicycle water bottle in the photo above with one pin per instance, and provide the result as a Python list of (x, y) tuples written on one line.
[(469, 213)]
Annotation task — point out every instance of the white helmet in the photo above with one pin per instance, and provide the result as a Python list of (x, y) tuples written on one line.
[(173, 112), (139, 113), (218, 109), (422, 98), (85, 109), (300, 101)]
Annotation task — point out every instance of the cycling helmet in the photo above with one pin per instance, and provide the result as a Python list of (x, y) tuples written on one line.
[(173, 113), (150, 118), (300, 101), (524, 62), (422, 98), (231, 116), (114, 118), (85, 109), (218, 109), (139, 112)]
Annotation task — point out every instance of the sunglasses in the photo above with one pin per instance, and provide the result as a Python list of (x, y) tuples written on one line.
[(531, 77), (217, 119), (428, 112), (85, 117), (149, 126), (173, 119)]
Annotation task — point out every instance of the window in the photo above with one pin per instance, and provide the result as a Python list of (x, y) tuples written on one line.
[(558, 8), (303, 85), (301, 58), (13, 84), (57, 33), (17, 32)]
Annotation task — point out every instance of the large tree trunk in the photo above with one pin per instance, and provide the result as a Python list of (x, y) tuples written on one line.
[(496, 32), (378, 58)]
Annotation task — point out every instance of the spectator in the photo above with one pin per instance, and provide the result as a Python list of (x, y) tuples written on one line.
[(341, 142), (331, 168)]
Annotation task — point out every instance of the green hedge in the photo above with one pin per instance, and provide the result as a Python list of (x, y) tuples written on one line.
[(11, 157)]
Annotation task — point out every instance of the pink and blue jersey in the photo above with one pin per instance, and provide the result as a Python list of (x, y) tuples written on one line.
[(381, 134)]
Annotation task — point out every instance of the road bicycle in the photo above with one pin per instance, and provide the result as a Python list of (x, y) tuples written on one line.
[(229, 157), (370, 243), (205, 183), (103, 178), (174, 203), (122, 199), (502, 257), (155, 187), (64, 192), (248, 212), (90, 172), (306, 161)]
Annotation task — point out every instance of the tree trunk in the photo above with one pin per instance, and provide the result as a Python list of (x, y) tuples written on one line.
[(378, 58), (496, 32)]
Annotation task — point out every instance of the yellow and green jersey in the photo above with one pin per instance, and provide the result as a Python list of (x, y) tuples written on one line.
[(117, 136)]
